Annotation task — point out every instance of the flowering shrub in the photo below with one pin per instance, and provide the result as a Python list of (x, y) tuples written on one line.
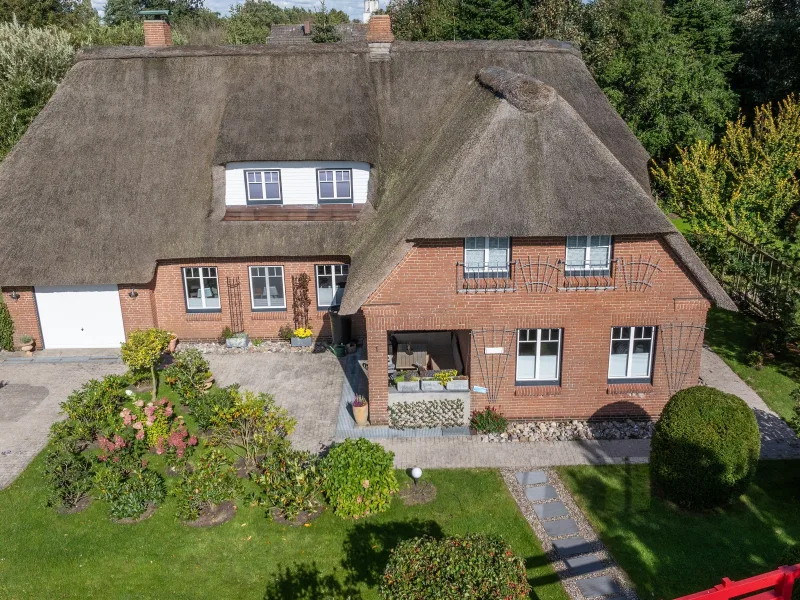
[(291, 481), (143, 352), (216, 399), (188, 374), (252, 425), (488, 421), (93, 407), (67, 474), (152, 421), (302, 332), (128, 486), (446, 376), (212, 482), (475, 566), (359, 478), (179, 446)]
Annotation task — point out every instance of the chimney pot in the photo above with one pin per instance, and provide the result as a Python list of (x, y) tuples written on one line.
[(307, 28), (379, 29)]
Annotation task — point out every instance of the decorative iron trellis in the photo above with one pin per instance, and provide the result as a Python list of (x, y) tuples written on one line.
[(680, 344), (235, 303), (638, 273), (578, 281), (492, 366), (539, 275)]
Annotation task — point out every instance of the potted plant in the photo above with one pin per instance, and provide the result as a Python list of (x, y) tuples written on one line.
[(352, 347), (460, 383), (28, 343), (173, 344), (302, 337), (360, 408), (406, 382), (237, 340)]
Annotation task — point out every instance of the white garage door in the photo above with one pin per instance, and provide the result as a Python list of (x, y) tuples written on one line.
[(80, 316)]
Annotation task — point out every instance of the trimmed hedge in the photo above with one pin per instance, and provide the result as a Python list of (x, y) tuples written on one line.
[(427, 413), (475, 566), (705, 448)]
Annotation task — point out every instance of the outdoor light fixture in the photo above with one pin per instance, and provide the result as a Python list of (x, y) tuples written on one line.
[(14, 295), (416, 473), (133, 293)]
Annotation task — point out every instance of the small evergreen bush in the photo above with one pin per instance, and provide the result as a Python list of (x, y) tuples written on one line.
[(6, 327), (95, 406), (67, 474), (475, 566), (213, 481), (129, 487), (188, 374), (705, 448), (291, 482), (216, 399), (795, 422), (143, 351), (488, 421), (359, 478)]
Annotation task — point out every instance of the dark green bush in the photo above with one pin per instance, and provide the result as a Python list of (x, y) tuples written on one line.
[(791, 557), (285, 333), (488, 421), (475, 566), (96, 405), (128, 489), (795, 422), (188, 374), (67, 474), (291, 481), (204, 407), (213, 481), (705, 448), (6, 327), (359, 478)]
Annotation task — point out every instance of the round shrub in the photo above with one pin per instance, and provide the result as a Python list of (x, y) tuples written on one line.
[(68, 475), (475, 566), (705, 448), (359, 478)]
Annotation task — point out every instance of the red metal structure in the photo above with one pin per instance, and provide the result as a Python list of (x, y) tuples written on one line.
[(775, 585)]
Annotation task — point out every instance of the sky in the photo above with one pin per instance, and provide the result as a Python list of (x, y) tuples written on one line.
[(354, 8)]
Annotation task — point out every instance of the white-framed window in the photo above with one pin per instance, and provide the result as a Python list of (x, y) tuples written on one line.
[(588, 255), (266, 288), (202, 288), (335, 185), (538, 355), (486, 256), (331, 280), (631, 354), (263, 187)]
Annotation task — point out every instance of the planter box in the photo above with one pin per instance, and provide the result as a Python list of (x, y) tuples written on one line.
[(302, 342), (407, 386), (458, 385), (237, 342), (431, 385)]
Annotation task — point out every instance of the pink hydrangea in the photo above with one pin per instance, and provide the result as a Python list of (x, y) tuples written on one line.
[(140, 434), (139, 403)]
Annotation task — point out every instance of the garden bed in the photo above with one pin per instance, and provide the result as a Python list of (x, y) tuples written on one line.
[(560, 431), (668, 552), (267, 346)]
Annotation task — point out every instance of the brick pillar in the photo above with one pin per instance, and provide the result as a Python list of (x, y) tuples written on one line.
[(378, 378), (23, 313), (157, 33)]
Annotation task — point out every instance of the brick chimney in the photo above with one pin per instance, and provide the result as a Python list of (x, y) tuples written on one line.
[(157, 31), (307, 28), (379, 29)]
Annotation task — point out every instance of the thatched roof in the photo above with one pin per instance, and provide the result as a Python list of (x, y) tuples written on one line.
[(122, 167)]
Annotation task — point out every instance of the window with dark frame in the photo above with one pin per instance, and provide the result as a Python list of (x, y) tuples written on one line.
[(631, 354), (538, 356), (335, 185), (486, 257), (263, 187), (267, 291), (201, 288), (331, 280)]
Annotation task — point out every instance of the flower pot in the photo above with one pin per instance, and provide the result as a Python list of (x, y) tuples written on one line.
[(458, 385), (352, 347), (338, 350), (28, 347), (360, 414), (237, 342), (305, 342), (173, 345), (431, 385), (407, 386)]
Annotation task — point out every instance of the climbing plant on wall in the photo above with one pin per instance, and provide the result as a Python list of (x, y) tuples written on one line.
[(6, 327)]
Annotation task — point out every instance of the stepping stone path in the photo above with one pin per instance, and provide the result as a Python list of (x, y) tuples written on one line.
[(587, 572)]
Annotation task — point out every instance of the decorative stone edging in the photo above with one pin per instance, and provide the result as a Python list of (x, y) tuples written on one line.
[(593, 548)]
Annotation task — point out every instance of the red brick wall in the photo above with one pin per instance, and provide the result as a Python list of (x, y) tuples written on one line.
[(23, 313), (420, 294), (169, 307)]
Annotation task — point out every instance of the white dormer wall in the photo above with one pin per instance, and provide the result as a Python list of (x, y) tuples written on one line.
[(298, 180)]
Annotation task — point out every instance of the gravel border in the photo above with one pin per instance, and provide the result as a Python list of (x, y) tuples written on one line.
[(585, 530)]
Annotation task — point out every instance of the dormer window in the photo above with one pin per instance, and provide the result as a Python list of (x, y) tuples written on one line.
[(263, 187), (335, 185)]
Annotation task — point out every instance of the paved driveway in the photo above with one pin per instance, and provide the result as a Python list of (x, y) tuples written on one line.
[(309, 386), (29, 399)]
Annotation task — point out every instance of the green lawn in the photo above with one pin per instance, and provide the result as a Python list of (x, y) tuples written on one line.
[(46, 555), (670, 553), (731, 335)]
